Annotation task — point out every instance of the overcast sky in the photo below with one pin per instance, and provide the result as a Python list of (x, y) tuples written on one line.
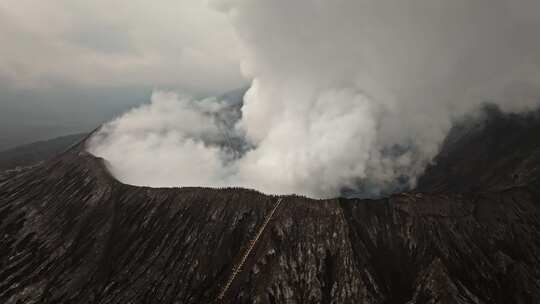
[(67, 65)]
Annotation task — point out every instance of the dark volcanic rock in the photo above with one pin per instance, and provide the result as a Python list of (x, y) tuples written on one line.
[(70, 233), (501, 151)]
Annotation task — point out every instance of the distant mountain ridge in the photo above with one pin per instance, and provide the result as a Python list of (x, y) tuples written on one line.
[(29, 154)]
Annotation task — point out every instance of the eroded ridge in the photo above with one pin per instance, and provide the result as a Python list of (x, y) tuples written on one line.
[(238, 267)]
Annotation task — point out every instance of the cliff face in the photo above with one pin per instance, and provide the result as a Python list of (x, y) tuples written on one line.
[(501, 151), (70, 233)]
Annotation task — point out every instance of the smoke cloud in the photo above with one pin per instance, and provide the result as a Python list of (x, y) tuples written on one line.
[(346, 96)]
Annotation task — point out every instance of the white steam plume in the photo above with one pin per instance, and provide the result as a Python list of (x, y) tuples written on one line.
[(345, 95)]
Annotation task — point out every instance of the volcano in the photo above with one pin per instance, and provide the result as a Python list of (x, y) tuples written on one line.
[(469, 233)]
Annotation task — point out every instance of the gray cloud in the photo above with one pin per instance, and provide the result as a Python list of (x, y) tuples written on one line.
[(69, 65), (181, 44), (352, 93)]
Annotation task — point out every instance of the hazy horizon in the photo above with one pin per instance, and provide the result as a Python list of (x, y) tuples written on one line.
[(68, 66)]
